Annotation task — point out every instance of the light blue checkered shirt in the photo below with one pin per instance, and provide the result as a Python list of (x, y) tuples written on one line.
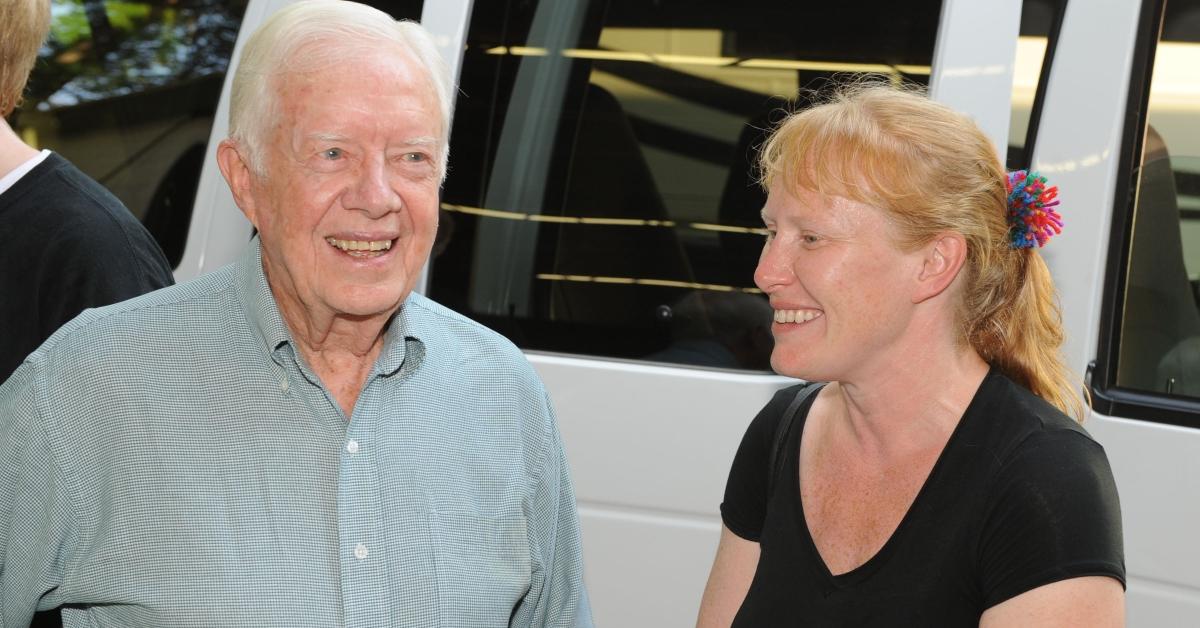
[(172, 461)]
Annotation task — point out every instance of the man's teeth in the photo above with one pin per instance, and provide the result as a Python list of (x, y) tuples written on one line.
[(360, 245), (795, 316)]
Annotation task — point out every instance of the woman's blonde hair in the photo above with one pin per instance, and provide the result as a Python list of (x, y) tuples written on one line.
[(25, 25), (932, 170)]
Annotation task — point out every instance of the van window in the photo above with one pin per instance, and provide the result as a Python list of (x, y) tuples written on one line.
[(601, 198), (1159, 341), (1040, 21)]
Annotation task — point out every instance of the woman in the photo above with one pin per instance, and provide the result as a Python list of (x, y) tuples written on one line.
[(937, 479)]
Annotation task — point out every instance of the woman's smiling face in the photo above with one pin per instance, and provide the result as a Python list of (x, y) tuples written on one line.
[(840, 287)]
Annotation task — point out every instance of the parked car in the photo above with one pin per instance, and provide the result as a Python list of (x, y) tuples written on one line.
[(601, 211)]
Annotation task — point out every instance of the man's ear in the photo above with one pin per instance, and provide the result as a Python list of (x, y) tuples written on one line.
[(236, 170), (942, 260)]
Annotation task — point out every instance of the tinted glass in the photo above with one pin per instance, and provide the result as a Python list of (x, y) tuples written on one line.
[(1039, 27), (1160, 333), (601, 198), (399, 9)]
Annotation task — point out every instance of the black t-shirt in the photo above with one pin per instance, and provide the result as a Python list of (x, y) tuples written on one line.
[(66, 244), (1020, 497)]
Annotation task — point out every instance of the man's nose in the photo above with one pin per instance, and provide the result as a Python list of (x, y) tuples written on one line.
[(373, 190)]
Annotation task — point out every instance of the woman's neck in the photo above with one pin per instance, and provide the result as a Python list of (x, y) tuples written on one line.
[(13, 151), (914, 406)]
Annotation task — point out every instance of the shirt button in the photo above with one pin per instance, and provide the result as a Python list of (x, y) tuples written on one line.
[(352, 446), (283, 385), (360, 551)]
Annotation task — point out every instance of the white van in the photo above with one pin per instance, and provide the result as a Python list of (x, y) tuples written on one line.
[(600, 211)]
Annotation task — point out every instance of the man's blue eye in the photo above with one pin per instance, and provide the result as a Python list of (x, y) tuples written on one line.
[(332, 153), (414, 157)]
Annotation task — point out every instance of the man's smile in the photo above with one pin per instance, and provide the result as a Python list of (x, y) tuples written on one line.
[(361, 248)]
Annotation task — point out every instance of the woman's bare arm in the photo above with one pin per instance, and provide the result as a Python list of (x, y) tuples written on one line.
[(732, 571), (1091, 602)]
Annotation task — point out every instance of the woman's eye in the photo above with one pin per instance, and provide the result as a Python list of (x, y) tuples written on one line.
[(332, 153)]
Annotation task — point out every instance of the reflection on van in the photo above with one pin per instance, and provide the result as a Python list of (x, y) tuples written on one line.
[(127, 91), (644, 115)]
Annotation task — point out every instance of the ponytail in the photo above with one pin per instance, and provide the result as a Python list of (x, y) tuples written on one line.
[(1023, 335)]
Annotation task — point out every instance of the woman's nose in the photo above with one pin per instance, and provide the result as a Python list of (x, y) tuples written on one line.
[(774, 267)]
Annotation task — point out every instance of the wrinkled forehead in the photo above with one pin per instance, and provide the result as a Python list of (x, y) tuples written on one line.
[(792, 202), (322, 58), (833, 214), (350, 81)]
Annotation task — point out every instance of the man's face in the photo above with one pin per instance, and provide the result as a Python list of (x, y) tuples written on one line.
[(347, 210)]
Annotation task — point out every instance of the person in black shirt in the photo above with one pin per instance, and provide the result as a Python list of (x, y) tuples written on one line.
[(941, 477), (66, 243)]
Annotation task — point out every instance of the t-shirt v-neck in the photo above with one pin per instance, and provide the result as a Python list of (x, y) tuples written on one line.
[(791, 484)]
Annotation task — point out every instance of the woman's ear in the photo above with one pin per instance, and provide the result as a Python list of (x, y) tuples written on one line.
[(236, 170), (943, 259)]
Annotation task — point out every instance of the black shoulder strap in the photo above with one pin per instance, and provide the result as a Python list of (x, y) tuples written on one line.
[(785, 425)]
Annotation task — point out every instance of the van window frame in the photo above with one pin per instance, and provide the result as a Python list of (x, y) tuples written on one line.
[(1108, 398)]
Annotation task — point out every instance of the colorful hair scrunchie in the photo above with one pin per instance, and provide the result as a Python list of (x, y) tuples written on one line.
[(1032, 218)]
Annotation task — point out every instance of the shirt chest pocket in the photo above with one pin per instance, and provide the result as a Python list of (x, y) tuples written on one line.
[(483, 567)]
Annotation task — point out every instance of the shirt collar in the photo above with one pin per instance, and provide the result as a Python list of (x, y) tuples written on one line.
[(10, 179), (402, 338)]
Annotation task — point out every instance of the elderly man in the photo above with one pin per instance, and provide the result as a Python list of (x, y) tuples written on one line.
[(296, 439)]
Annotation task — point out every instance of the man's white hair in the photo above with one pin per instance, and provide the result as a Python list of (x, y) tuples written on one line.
[(287, 42)]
